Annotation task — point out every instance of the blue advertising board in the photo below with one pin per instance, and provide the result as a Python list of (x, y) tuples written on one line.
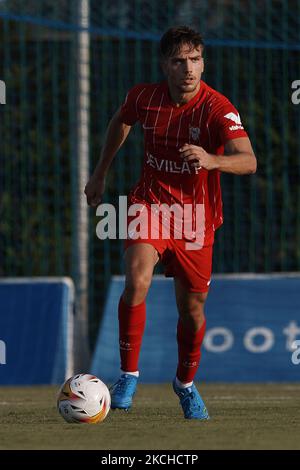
[(252, 322), (35, 330)]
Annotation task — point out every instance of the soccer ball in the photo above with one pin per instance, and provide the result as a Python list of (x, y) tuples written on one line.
[(83, 399)]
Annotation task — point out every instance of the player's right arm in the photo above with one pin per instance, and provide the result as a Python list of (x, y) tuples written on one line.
[(116, 134)]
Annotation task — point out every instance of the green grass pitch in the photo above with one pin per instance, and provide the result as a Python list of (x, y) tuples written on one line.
[(242, 417)]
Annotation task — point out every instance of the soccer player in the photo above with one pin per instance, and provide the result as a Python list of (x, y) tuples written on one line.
[(192, 133)]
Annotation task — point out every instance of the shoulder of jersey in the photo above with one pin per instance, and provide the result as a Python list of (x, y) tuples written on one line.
[(145, 88), (215, 100)]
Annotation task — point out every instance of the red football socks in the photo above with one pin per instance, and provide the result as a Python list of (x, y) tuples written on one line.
[(189, 344), (132, 320)]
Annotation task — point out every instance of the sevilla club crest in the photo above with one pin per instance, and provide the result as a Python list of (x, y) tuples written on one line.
[(194, 134)]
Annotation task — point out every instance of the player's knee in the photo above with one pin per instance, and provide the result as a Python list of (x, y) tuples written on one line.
[(193, 304), (138, 284), (200, 298), (136, 289)]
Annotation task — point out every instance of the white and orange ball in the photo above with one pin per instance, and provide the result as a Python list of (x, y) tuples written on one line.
[(83, 399)]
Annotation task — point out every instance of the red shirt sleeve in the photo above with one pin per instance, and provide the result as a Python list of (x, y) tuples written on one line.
[(228, 123), (129, 112)]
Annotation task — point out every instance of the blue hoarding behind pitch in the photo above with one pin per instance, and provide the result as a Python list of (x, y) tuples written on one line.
[(252, 322), (36, 324)]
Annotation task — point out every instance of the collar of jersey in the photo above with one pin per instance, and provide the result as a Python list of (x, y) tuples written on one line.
[(198, 97)]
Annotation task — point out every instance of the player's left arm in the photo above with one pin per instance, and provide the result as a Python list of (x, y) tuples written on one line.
[(239, 159)]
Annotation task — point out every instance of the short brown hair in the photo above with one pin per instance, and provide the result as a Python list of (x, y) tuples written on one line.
[(173, 39)]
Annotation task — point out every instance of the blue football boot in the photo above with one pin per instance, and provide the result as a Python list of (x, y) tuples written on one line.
[(191, 402), (122, 392)]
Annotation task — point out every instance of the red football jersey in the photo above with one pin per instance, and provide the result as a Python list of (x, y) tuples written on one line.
[(208, 120)]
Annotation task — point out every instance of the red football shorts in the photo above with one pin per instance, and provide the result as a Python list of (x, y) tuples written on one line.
[(192, 267)]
